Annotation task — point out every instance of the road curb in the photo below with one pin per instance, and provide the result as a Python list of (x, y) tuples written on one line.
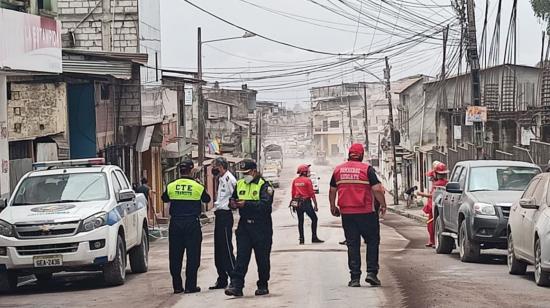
[(403, 213)]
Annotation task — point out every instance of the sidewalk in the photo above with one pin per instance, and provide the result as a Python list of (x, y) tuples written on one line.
[(413, 212)]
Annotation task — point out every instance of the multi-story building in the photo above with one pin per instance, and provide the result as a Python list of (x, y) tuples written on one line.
[(30, 43)]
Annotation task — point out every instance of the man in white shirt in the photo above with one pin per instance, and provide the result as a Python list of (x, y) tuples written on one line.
[(223, 228)]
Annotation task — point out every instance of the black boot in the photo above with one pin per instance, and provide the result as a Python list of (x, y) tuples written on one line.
[(262, 291), (233, 291), (317, 240), (302, 241), (192, 290), (373, 280), (354, 283), (218, 285)]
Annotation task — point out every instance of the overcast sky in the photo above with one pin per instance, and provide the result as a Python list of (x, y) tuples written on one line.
[(239, 59)]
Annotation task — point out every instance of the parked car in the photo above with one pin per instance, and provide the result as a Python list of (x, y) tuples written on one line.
[(271, 175), (474, 208), (315, 180), (529, 231), (77, 215)]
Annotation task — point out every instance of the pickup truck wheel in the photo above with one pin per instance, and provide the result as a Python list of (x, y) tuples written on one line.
[(8, 281), (515, 266), (542, 278), (443, 244), (469, 251), (114, 272), (139, 255)]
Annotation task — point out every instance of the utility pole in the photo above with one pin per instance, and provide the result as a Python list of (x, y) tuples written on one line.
[(343, 131), (366, 118), (200, 102), (443, 95), (473, 59), (350, 122), (387, 76)]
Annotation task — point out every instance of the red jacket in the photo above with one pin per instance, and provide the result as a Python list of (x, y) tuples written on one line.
[(354, 190), (302, 187)]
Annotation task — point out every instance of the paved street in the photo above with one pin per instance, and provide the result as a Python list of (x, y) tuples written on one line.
[(310, 275)]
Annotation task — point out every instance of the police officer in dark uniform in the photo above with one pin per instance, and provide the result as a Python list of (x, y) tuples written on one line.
[(253, 196), (185, 196)]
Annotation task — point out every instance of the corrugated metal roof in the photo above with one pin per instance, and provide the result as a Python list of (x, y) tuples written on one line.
[(140, 58), (116, 69)]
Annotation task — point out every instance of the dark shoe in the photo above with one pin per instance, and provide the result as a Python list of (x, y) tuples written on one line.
[(373, 280), (192, 290), (178, 291), (302, 242), (343, 243), (262, 291), (354, 283), (232, 291), (429, 245), (218, 286), (317, 240)]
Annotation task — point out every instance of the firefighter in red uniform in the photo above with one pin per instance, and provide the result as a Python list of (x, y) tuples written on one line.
[(302, 189), (439, 179), (356, 185)]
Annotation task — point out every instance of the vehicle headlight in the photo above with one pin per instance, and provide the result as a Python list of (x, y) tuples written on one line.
[(484, 209), (6, 229), (93, 222)]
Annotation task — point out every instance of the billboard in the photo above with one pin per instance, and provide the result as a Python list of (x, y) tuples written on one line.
[(476, 114), (29, 42)]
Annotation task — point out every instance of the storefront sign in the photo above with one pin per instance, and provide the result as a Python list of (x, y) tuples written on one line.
[(29, 42), (476, 114)]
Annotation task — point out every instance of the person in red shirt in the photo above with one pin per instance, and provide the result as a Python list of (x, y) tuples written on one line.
[(302, 188), (439, 179), (357, 186)]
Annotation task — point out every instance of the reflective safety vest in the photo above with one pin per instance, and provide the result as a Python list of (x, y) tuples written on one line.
[(354, 189), (249, 192), (185, 190)]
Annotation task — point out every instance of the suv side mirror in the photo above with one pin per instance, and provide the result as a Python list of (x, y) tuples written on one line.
[(528, 203), (453, 188), (125, 195)]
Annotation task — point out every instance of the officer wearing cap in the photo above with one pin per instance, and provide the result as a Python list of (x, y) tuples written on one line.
[(224, 258), (253, 196), (185, 196), (357, 187)]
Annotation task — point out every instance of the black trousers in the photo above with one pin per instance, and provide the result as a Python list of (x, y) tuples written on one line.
[(257, 236), (223, 245), (185, 236), (307, 208), (366, 226)]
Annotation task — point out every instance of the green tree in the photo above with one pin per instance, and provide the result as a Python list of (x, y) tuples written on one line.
[(542, 11)]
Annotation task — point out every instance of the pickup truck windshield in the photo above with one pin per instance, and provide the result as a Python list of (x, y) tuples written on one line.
[(500, 178), (75, 187), (273, 155)]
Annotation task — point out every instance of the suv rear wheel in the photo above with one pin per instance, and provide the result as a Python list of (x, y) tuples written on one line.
[(515, 266), (542, 278), (139, 255), (443, 244), (114, 272), (469, 251)]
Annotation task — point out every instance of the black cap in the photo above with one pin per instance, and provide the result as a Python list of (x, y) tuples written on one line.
[(187, 165), (246, 165)]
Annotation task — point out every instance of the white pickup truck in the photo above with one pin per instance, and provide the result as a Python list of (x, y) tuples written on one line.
[(77, 215)]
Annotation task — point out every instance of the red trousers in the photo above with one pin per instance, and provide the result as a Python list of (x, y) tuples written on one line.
[(431, 228)]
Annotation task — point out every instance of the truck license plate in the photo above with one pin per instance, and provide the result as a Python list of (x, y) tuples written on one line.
[(48, 261)]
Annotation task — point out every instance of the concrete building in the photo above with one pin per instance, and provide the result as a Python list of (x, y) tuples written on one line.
[(29, 44)]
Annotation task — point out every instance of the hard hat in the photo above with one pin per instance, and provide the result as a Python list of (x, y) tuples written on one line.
[(303, 169), (435, 163), (441, 168), (356, 149), (430, 173)]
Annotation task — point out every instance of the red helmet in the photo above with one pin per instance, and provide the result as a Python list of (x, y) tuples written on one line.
[(441, 168), (356, 150), (303, 169)]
